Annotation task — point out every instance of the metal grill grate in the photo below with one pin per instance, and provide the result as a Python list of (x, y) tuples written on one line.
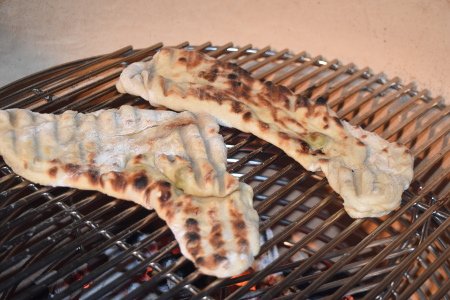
[(66, 243)]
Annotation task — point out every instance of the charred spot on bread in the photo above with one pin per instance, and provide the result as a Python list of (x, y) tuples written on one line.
[(243, 245), (322, 100), (191, 223), (247, 116), (216, 241), (283, 135), (140, 181), (53, 171), (93, 176), (301, 101), (192, 237), (236, 84), (219, 258), (236, 107), (194, 59), (338, 122), (232, 76), (239, 225), (138, 158), (211, 76), (189, 208), (72, 169), (164, 187), (118, 181), (200, 261), (263, 125)]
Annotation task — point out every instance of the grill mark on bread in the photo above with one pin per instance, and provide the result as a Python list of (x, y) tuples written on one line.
[(239, 228), (215, 235), (192, 237)]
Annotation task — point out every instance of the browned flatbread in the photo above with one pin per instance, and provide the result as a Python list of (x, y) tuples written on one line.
[(174, 163), (368, 172)]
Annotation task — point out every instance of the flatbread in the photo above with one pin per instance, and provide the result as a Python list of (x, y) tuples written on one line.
[(172, 162), (368, 172)]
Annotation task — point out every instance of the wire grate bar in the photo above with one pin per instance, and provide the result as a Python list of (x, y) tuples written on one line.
[(297, 69), (253, 56), (429, 123), (267, 60), (307, 264), (358, 119), (332, 65), (418, 113), (425, 275), (220, 50), (352, 107), (363, 85), (392, 113), (233, 55), (406, 262), (293, 59), (335, 87)]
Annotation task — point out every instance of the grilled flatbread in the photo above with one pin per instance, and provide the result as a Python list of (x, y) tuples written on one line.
[(172, 162), (368, 172)]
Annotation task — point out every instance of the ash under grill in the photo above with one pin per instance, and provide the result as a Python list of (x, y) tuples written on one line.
[(64, 243)]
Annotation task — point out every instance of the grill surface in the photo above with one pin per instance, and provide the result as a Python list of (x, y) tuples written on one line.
[(66, 243)]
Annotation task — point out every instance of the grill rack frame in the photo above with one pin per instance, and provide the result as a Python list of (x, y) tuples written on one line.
[(428, 211)]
